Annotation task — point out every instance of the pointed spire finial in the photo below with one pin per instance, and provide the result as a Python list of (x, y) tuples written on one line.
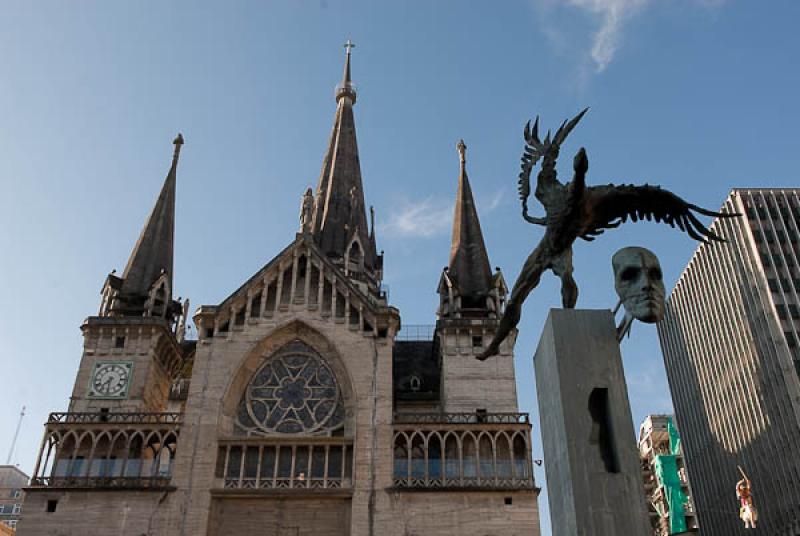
[(178, 143), (345, 88), (462, 151)]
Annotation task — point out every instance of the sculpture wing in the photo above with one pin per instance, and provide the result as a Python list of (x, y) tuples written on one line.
[(531, 154), (609, 206)]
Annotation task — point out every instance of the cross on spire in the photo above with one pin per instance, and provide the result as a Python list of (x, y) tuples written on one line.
[(349, 45)]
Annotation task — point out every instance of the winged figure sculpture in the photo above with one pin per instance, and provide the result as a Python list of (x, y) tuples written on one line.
[(574, 210)]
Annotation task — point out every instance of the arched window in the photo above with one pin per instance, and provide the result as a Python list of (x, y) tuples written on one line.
[(451, 457), (355, 257), (294, 392), (434, 457), (520, 457), (417, 456), (400, 457)]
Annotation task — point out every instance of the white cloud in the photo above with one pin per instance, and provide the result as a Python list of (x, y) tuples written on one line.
[(495, 201), (611, 17), (432, 217), (424, 218)]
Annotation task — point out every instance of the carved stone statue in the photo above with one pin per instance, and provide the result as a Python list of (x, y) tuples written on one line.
[(640, 286), (306, 211), (573, 211)]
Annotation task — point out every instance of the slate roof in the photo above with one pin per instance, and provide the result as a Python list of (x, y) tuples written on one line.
[(469, 267), (420, 360), (339, 209)]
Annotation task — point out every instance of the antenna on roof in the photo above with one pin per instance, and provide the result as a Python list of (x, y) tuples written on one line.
[(16, 434)]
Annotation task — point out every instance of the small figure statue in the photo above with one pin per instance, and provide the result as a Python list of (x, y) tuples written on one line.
[(747, 510), (576, 210), (640, 286), (306, 211)]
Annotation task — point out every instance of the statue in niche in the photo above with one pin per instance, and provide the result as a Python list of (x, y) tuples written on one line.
[(573, 211), (639, 283)]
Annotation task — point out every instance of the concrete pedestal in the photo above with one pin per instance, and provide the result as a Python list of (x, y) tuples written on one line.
[(594, 482)]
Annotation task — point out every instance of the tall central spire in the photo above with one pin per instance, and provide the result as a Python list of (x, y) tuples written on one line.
[(340, 217)]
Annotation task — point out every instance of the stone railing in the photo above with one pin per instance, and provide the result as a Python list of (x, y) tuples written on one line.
[(486, 451), (102, 450), (279, 464)]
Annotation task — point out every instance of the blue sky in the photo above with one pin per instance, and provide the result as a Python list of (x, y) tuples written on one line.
[(697, 96)]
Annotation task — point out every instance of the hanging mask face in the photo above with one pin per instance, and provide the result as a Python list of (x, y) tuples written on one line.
[(639, 283)]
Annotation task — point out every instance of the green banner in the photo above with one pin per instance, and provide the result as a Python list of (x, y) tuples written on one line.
[(674, 438), (667, 474)]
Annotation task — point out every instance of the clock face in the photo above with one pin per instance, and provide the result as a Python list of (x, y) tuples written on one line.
[(110, 380)]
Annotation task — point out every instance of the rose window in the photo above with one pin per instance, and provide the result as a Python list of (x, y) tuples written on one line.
[(294, 392)]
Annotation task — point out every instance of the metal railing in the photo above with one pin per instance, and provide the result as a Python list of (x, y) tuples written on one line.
[(99, 417), (272, 464), (476, 417), (416, 332), (97, 482)]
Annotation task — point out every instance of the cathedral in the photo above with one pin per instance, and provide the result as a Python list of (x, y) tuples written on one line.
[(301, 408)]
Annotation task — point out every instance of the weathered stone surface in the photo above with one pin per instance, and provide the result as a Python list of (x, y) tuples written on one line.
[(592, 465)]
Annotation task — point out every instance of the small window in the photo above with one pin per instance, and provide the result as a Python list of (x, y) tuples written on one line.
[(481, 415), (52, 504), (209, 333), (508, 501), (477, 341), (16, 493), (785, 285), (119, 342), (790, 339), (17, 508), (794, 312), (781, 309), (769, 236), (240, 317), (765, 260), (758, 237), (773, 284)]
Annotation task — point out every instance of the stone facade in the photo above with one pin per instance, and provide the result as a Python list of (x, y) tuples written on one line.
[(298, 410)]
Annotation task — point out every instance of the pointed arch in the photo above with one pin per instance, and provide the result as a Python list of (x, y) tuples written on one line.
[(292, 338)]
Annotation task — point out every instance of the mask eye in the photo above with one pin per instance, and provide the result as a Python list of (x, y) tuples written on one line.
[(629, 274)]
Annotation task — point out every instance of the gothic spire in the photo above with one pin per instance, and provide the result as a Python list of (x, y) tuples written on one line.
[(469, 267), (152, 254), (339, 210)]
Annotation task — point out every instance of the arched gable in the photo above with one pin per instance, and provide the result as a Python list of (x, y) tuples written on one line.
[(313, 358)]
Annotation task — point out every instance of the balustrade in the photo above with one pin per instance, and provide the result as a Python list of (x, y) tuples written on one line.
[(463, 450), (264, 464), (108, 450)]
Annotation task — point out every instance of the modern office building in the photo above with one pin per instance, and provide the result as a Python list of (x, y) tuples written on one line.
[(730, 343), (12, 481), (300, 409), (666, 480)]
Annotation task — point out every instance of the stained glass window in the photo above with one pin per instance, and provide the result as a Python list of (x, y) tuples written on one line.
[(294, 392)]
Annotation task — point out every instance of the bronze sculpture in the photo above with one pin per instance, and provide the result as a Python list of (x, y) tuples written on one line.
[(574, 211)]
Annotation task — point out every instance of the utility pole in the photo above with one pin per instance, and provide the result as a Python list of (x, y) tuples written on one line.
[(16, 434)]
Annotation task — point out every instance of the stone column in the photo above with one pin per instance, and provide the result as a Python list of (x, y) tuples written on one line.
[(594, 482)]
